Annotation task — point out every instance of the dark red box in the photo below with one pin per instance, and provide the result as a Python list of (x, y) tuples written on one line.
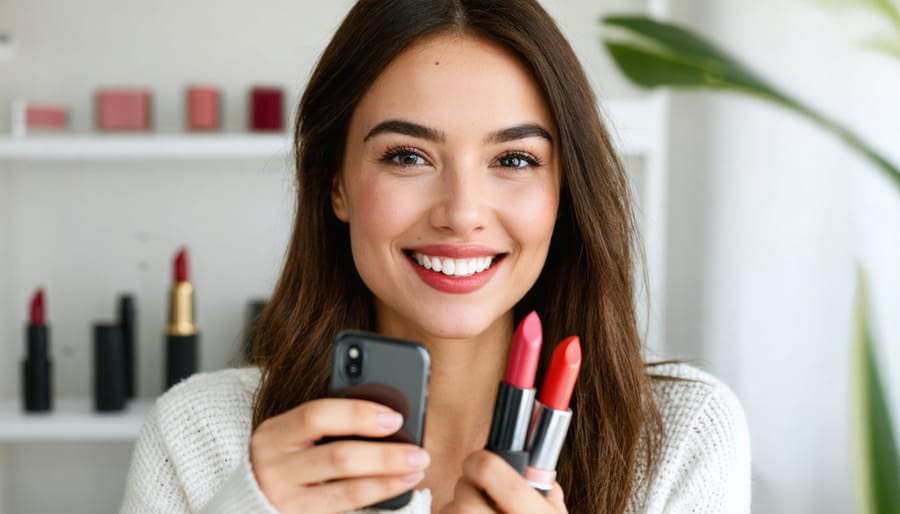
[(266, 108)]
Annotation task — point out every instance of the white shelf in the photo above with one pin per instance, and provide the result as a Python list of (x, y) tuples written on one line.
[(70, 147), (72, 420), (630, 123)]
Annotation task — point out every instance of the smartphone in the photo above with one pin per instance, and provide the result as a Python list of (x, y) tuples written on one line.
[(389, 371)]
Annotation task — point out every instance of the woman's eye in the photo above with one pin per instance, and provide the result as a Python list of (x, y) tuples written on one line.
[(517, 161), (403, 157)]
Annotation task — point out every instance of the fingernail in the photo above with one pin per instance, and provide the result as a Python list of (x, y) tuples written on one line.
[(413, 478), (390, 420), (418, 458)]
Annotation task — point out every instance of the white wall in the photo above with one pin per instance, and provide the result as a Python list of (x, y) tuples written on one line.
[(768, 219)]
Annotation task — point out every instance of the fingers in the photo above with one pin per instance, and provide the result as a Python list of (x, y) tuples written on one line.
[(506, 488), (302, 426), (467, 498), (350, 494), (337, 476), (348, 459), (557, 498)]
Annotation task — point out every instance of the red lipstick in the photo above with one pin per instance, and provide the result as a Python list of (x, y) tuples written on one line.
[(515, 398), (37, 367), (181, 332), (552, 415)]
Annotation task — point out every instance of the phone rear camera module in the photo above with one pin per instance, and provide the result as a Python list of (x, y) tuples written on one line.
[(354, 364)]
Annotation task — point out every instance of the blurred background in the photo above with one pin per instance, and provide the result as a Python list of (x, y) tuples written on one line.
[(754, 220)]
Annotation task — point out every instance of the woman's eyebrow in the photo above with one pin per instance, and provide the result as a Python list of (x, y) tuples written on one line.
[(409, 128), (522, 131), (406, 128)]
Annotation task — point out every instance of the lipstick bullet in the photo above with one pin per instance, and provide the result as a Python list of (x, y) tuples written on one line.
[(181, 332)]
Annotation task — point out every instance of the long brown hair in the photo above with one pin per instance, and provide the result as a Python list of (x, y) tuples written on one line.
[(585, 288)]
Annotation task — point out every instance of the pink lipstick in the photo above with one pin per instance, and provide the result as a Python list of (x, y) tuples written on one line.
[(36, 368), (515, 398), (552, 415)]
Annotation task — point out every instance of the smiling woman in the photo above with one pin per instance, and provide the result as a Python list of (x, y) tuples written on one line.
[(453, 175)]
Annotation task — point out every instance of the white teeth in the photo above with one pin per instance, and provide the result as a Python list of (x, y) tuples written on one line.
[(453, 267), (448, 267)]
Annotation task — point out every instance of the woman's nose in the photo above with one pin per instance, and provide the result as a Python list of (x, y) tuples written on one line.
[(460, 209)]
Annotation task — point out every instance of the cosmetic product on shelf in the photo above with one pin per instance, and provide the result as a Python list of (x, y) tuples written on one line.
[(181, 332), (123, 110), (37, 368), (28, 117), (254, 310), (128, 324), (203, 108), (109, 368), (266, 108)]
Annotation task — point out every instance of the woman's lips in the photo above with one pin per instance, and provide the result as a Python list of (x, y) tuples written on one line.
[(457, 275)]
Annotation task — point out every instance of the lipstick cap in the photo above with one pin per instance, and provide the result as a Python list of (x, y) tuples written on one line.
[(109, 368)]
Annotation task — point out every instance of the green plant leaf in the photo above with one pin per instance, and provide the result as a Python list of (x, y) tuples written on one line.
[(877, 470), (673, 56), (657, 54), (890, 46)]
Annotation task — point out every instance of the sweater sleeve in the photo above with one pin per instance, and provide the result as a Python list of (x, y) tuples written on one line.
[(705, 463), (192, 453)]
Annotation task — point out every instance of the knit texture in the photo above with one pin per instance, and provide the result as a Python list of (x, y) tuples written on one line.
[(192, 451)]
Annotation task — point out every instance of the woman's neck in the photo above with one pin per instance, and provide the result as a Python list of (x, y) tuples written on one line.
[(465, 374)]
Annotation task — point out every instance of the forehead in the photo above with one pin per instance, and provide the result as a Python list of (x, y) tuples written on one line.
[(450, 81)]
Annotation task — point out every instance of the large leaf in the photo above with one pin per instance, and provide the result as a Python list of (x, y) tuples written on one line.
[(875, 448), (657, 54)]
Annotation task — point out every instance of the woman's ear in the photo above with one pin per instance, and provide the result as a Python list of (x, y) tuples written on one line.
[(339, 199)]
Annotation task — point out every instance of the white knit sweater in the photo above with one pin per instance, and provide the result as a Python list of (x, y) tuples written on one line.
[(192, 451)]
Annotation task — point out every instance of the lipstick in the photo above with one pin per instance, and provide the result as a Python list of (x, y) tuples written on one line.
[(515, 398), (181, 333), (552, 414), (36, 368)]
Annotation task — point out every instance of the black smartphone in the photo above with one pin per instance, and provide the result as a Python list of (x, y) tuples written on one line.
[(392, 372)]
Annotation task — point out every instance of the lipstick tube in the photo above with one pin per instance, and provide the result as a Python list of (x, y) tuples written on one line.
[(509, 427), (181, 332), (545, 444), (550, 421), (37, 367), (515, 397)]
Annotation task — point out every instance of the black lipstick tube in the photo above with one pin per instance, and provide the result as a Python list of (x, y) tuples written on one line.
[(37, 369), (127, 322), (509, 426)]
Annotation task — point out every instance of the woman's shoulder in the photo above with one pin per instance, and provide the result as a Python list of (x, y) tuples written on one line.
[(231, 384), (208, 403), (682, 391), (703, 452)]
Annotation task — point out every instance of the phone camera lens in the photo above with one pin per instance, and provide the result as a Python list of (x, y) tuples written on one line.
[(354, 362)]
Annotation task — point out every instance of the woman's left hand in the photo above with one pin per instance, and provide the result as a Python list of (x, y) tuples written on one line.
[(489, 484)]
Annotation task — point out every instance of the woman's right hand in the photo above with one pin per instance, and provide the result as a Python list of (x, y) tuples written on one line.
[(298, 476)]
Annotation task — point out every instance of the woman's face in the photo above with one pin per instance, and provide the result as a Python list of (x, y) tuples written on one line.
[(450, 186)]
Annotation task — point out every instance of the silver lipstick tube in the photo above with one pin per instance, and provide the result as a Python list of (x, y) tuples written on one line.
[(546, 439)]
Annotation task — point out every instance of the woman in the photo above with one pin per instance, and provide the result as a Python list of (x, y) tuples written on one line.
[(447, 129)]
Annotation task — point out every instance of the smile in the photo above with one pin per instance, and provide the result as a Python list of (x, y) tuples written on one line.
[(453, 267)]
